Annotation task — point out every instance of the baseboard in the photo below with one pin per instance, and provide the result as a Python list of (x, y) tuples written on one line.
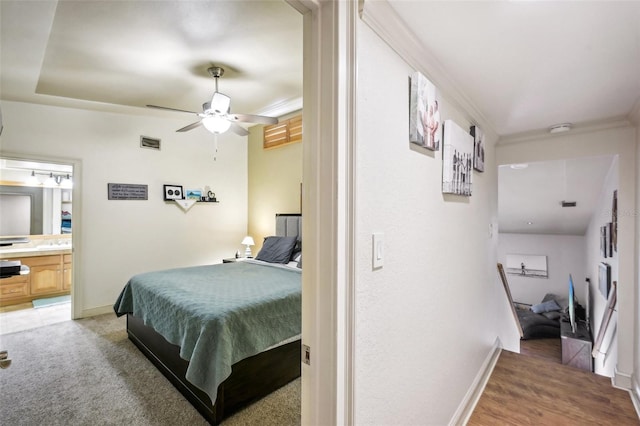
[(100, 310), (621, 380), (635, 397), (468, 403)]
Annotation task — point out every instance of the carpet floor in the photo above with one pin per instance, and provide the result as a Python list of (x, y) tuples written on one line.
[(87, 372)]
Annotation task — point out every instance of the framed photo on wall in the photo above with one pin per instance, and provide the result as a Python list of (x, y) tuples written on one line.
[(173, 192), (457, 156), (478, 148), (425, 124), (604, 279), (527, 265)]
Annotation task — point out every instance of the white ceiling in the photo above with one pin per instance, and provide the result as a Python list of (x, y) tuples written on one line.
[(526, 65), (529, 199), (133, 53)]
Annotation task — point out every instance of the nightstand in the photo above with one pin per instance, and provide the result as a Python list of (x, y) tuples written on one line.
[(233, 259)]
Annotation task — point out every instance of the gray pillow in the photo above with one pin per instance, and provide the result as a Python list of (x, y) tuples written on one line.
[(548, 306), (276, 249), (553, 315)]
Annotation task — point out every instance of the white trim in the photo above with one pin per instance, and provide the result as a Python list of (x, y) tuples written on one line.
[(536, 135), (77, 287), (470, 400), (92, 312), (380, 16), (327, 278), (635, 398), (346, 230), (621, 380)]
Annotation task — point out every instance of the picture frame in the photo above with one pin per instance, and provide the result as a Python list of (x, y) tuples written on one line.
[(603, 242), (527, 265), (173, 192), (614, 221), (193, 194), (425, 124), (457, 160), (478, 148), (604, 279)]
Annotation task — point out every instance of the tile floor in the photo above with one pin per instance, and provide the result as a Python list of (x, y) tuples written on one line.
[(26, 319)]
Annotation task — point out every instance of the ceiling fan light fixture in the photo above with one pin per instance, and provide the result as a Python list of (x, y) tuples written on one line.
[(216, 124), (220, 103)]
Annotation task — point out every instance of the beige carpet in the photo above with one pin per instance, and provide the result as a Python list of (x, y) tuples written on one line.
[(87, 372)]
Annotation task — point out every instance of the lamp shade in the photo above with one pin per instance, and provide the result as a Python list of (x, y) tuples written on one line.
[(248, 241), (216, 124)]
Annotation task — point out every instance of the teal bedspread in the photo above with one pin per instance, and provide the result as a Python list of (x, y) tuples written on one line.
[(217, 314)]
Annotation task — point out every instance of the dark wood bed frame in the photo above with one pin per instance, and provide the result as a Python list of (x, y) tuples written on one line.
[(251, 379)]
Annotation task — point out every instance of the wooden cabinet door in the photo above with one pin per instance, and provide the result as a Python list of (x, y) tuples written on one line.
[(46, 279), (67, 272)]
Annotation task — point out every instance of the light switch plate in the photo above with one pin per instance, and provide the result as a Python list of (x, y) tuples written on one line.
[(378, 250)]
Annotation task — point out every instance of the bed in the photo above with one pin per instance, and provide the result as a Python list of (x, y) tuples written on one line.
[(227, 334), (542, 320)]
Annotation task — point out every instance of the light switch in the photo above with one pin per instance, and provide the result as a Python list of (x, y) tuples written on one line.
[(378, 250)]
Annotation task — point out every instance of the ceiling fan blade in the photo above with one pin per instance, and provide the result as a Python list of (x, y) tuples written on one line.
[(238, 130), (170, 109), (249, 118), (190, 126)]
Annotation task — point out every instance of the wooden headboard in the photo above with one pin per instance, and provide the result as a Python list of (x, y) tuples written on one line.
[(289, 225)]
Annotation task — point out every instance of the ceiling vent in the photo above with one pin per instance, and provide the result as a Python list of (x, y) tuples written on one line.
[(568, 204), (151, 143)]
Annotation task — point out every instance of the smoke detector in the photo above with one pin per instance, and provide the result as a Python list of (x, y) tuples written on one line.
[(560, 128)]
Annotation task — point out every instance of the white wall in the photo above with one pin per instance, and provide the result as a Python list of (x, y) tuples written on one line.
[(604, 363), (426, 321), (618, 139), (115, 239), (565, 255)]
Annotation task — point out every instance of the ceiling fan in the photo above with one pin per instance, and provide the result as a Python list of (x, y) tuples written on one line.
[(216, 116)]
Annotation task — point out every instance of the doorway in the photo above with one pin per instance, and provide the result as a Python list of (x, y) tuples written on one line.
[(36, 206)]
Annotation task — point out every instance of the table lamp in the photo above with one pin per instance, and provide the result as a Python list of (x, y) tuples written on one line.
[(248, 241)]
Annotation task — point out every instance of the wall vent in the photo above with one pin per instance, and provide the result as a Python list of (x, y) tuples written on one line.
[(569, 204), (151, 143)]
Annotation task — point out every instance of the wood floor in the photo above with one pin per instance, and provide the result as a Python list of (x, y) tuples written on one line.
[(534, 388)]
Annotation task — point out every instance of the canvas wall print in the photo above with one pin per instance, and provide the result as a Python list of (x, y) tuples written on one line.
[(527, 265), (614, 221), (604, 279), (457, 154), (478, 148), (425, 125)]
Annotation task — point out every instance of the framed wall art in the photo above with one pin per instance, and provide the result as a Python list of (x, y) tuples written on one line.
[(614, 221), (457, 155), (478, 148), (173, 192), (425, 124), (527, 265), (604, 279), (194, 194)]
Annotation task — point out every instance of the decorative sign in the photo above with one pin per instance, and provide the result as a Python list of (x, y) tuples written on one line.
[(127, 191)]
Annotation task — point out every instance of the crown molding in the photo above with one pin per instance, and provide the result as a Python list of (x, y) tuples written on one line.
[(384, 21), (581, 128)]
